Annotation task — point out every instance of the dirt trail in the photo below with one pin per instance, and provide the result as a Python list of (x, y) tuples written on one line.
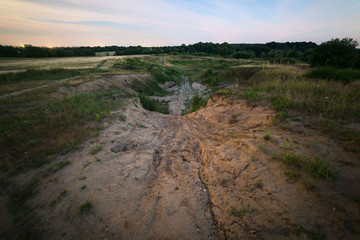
[(199, 176)]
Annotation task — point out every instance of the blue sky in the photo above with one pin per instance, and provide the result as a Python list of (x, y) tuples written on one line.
[(173, 22)]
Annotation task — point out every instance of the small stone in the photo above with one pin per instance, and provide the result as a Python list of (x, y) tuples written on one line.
[(176, 188), (120, 147)]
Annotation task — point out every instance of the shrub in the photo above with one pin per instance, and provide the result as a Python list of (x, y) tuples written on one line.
[(337, 53), (197, 102), (331, 73)]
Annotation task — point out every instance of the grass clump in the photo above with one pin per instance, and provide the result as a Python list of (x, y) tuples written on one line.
[(85, 207), (197, 102), (291, 174), (60, 195), (96, 149), (318, 166), (267, 137), (56, 168), (154, 105), (239, 212), (211, 78), (252, 94), (224, 182), (259, 184), (262, 147)]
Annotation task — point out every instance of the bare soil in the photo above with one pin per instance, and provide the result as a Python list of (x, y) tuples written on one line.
[(199, 176)]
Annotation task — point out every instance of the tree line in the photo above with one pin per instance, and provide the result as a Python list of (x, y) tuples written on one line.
[(272, 49), (341, 53)]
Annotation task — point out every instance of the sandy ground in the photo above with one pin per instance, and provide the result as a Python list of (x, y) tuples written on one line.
[(181, 177)]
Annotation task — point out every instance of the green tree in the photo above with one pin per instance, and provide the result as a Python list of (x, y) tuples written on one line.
[(337, 53)]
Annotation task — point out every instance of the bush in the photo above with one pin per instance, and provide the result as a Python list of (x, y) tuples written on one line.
[(331, 73), (336, 53), (197, 102)]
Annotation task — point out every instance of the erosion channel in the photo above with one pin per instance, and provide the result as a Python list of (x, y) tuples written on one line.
[(196, 176)]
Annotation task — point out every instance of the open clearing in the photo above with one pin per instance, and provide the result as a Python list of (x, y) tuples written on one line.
[(221, 172)]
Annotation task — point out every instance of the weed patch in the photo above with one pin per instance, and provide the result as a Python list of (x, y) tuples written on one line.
[(85, 207), (28, 137), (239, 212), (318, 166), (95, 150)]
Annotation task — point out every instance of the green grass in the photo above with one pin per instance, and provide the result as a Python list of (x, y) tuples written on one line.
[(55, 168), (52, 74), (291, 174), (197, 102), (85, 207), (60, 195), (28, 137), (279, 117), (335, 74), (262, 147), (83, 187), (318, 166), (224, 182), (95, 150), (287, 89), (267, 137), (252, 94), (154, 105), (259, 184), (165, 74), (239, 212)]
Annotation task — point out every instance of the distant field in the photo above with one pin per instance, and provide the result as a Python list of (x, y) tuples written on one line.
[(16, 64)]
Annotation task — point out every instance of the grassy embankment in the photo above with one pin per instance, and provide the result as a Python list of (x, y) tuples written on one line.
[(330, 105)]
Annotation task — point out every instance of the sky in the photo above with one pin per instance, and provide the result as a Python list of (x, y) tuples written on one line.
[(175, 22)]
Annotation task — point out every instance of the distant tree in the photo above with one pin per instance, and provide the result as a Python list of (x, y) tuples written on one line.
[(245, 54), (337, 53)]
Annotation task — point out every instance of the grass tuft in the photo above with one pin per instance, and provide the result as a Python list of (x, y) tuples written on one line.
[(85, 207), (239, 212), (96, 149)]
